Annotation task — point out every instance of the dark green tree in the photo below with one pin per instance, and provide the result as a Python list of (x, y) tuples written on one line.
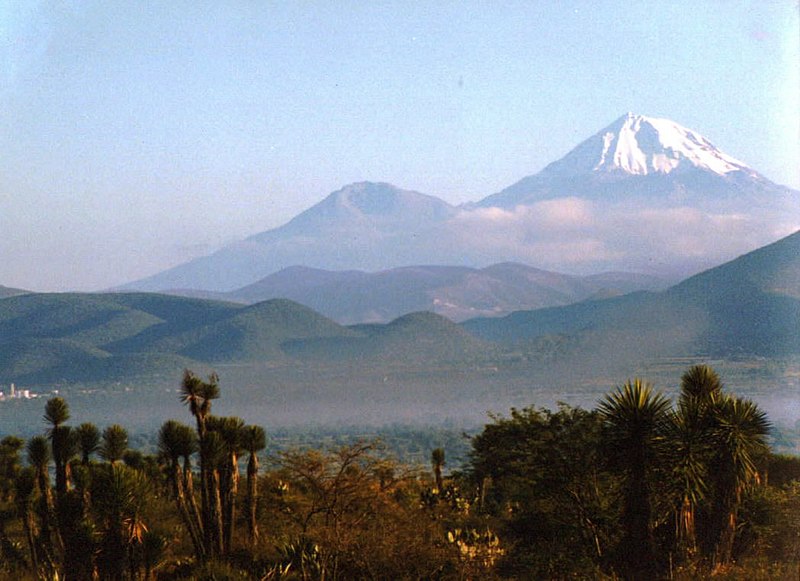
[(198, 395), (541, 473), (230, 430), (88, 441), (10, 466), (634, 425), (690, 448), (25, 485), (739, 436), (114, 443), (48, 543), (119, 497), (56, 413)]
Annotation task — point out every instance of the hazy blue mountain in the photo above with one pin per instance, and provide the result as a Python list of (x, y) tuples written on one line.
[(458, 293), (750, 305), (615, 190), (6, 291), (364, 225)]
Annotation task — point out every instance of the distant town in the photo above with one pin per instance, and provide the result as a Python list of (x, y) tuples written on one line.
[(14, 393)]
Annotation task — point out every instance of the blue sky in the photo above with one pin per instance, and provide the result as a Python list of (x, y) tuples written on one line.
[(134, 136)]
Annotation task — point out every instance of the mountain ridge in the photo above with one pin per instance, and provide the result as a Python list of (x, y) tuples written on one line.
[(636, 167), (458, 293), (746, 306)]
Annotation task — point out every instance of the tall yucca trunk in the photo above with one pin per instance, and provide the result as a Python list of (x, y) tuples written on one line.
[(686, 531), (188, 487), (29, 526), (231, 488), (252, 498), (49, 532), (215, 512), (723, 552), (180, 500)]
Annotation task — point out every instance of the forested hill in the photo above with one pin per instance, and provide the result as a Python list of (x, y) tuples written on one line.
[(750, 305), (112, 337)]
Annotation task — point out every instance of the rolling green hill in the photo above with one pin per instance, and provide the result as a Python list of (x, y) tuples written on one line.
[(74, 338), (747, 306), (417, 338), (258, 332)]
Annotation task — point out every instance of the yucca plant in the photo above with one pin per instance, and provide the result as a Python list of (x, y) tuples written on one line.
[(739, 433), (175, 441), (634, 423), (254, 440)]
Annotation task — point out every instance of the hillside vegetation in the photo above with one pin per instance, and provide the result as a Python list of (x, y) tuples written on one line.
[(636, 488)]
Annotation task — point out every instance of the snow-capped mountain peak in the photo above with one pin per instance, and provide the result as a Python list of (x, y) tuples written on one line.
[(639, 145), (638, 156)]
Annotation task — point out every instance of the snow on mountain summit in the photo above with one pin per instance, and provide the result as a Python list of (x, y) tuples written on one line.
[(639, 145)]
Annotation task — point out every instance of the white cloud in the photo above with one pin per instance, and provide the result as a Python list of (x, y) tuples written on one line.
[(577, 234)]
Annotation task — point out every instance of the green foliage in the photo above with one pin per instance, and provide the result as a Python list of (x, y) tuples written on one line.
[(114, 444), (88, 440), (10, 447), (56, 411), (542, 472), (543, 495), (254, 439)]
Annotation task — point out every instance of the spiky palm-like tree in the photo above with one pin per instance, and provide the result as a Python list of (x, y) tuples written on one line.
[(230, 430), (254, 439), (56, 413), (688, 457), (191, 446), (65, 448), (39, 456), (634, 419), (10, 447), (689, 436), (151, 553), (739, 433), (212, 451), (701, 382), (175, 441), (88, 441), (115, 443), (198, 395)]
